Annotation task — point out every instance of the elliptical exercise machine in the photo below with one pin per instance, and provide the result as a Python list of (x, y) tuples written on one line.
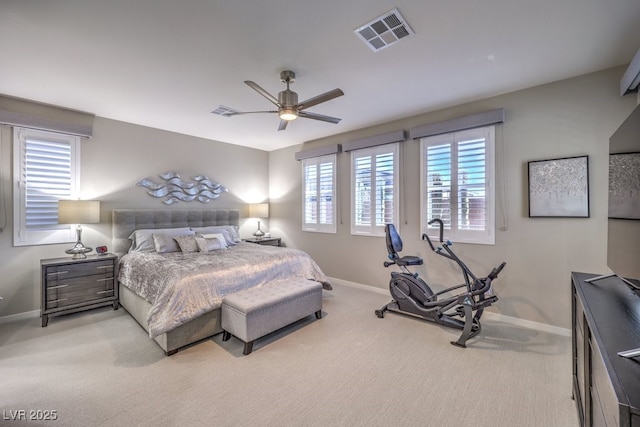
[(411, 295)]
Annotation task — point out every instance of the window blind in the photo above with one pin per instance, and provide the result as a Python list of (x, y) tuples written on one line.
[(47, 179), (439, 183), (46, 170), (325, 184), (363, 190), (471, 184), (374, 189), (458, 184), (319, 198)]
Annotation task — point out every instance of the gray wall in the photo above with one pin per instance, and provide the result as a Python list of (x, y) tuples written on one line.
[(119, 155), (567, 118)]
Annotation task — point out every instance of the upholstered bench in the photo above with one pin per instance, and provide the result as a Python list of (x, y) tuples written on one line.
[(256, 312)]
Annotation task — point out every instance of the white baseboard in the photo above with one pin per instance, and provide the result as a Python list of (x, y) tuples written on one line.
[(529, 324), (359, 286), (487, 314), (20, 316)]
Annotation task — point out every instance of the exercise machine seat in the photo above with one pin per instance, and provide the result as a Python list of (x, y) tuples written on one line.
[(394, 245)]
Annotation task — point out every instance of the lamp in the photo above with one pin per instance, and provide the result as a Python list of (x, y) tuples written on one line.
[(288, 113), (259, 210), (78, 212)]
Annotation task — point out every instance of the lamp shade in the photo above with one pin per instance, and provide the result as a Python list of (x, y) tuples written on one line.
[(259, 210), (78, 212)]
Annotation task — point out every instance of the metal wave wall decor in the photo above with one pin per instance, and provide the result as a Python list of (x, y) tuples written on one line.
[(175, 189)]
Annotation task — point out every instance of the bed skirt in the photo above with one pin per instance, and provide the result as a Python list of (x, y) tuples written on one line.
[(193, 331)]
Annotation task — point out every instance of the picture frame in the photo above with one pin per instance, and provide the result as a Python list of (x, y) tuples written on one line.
[(559, 188), (624, 186)]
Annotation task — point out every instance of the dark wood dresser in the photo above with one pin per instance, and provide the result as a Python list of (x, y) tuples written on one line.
[(72, 285), (606, 320)]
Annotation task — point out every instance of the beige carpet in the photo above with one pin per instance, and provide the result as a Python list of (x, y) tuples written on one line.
[(349, 368)]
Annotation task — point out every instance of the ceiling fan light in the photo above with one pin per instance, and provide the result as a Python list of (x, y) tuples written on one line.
[(288, 114)]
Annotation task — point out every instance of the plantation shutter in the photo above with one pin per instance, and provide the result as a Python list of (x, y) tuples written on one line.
[(47, 178), (325, 183), (363, 186), (439, 183), (310, 192), (472, 184), (46, 170), (384, 188), (319, 209), (374, 189), (458, 184)]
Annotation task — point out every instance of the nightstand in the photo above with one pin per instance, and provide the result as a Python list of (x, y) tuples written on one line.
[(72, 285), (267, 241)]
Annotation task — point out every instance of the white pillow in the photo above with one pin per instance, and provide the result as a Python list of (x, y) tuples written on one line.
[(208, 244), (230, 232), (219, 236), (142, 240)]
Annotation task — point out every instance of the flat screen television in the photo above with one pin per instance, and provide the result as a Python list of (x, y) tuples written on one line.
[(623, 246)]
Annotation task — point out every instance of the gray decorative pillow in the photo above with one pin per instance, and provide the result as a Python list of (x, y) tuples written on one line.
[(142, 240), (187, 243), (164, 243), (208, 244)]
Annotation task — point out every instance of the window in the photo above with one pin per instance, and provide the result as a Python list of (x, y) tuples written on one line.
[(46, 166), (457, 185), (374, 189), (319, 206)]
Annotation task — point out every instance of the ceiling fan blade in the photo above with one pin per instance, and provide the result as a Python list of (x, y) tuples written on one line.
[(327, 96), (316, 116), (283, 124), (253, 112), (231, 112), (262, 92), (224, 111)]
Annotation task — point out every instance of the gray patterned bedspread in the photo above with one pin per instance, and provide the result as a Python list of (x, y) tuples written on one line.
[(182, 286)]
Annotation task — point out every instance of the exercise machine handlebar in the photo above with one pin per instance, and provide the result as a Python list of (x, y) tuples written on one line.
[(441, 226), (494, 273), (426, 237)]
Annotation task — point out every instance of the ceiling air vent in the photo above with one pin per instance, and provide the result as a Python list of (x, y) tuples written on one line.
[(384, 30), (224, 111)]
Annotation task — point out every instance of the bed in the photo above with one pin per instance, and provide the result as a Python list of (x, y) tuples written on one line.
[(171, 295)]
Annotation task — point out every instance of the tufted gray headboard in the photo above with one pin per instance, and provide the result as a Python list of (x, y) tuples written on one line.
[(125, 221)]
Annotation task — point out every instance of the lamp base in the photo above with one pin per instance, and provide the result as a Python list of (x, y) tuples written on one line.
[(78, 252), (259, 234)]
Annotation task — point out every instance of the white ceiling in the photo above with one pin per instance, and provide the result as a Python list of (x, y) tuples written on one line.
[(168, 63)]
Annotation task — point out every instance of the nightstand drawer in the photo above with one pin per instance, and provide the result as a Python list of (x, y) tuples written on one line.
[(68, 271), (67, 292)]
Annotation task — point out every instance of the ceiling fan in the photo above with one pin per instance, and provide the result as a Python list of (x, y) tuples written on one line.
[(287, 102)]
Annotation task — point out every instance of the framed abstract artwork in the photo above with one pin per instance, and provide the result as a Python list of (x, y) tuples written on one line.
[(624, 186), (559, 187)]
